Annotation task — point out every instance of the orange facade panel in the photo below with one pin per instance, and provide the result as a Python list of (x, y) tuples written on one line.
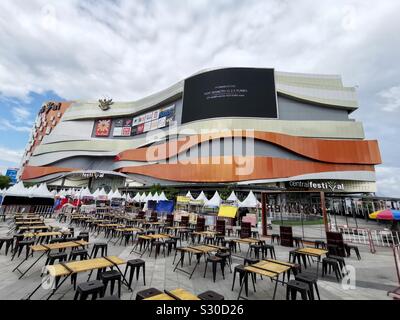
[(31, 172), (223, 169), (330, 151)]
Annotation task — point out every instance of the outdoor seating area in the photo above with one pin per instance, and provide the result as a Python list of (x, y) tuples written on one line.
[(119, 255)]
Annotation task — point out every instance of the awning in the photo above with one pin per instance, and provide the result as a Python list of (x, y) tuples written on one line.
[(227, 211)]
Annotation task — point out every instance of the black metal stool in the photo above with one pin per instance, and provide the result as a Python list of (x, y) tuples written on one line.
[(9, 242), (208, 240), (94, 288), (99, 246), (170, 243), (158, 245), (312, 281), (319, 244), (350, 247), (53, 257), (211, 295), (148, 293), (328, 265), (219, 239), (268, 247), (298, 241), (226, 257), (111, 276), (84, 236), (215, 260), (276, 237), (250, 261), (82, 254), (242, 273), (21, 245), (256, 248), (135, 265), (294, 286)]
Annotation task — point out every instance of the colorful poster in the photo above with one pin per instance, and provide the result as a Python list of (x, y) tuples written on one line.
[(149, 117), (126, 131), (154, 125), (142, 119), (119, 123), (128, 122), (168, 112), (162, 122), (117, 132), (136, 121), (147, 127), (103, 128), (156, 115), (140, 129)]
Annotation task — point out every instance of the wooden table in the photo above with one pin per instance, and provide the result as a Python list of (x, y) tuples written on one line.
[(148, 239), (199, 251), (47, 248), (44, 227), (75, 267), (269, 268), (314, 253), (42, 234), (177, 294)]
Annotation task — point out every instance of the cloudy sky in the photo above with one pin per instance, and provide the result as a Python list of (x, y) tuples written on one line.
[(86, 49)]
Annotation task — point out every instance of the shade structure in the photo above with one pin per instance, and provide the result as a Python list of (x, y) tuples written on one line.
[(149, 197), (189, 195), (136, 198), (232, 197), (102, 195), (41, 192), (143, 197), (202, 197), (17, 190), (214, 202), (156, 197), (388, 215), (250, 202), (163, 197), (116, 195), (226, 211), (96, 193)]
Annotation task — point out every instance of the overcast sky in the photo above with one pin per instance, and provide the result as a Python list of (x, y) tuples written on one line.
[(127, 49)]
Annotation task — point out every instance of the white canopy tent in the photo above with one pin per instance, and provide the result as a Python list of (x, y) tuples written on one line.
[(202, 197), (189, 195), (149, 197), (116, 195), (156, 197), (233, 197), (143, 197), (163, 197), (214, 202), (17, 190), (136, 198), (41, 192), (250, 202), (102, 195), (96, 193), (110, 195)]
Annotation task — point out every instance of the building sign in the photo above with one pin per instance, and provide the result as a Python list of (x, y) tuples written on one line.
[(12, 175), (134, 126), (232, 92), (319, 185), (94, 175), (103, 128)]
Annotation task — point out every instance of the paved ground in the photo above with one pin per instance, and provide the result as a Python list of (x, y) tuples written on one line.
[(375, 275)]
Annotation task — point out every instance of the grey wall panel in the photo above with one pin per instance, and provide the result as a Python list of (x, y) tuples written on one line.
[(293, 110)]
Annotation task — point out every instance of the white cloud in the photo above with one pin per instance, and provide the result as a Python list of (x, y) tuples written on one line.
[(392, 98), (10, 156), (21, 114), (388, 181), (6, 125)]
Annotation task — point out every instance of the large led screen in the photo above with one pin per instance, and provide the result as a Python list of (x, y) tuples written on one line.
[(233, 92)]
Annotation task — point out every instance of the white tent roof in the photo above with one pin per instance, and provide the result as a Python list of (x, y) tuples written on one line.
[(156, 197), (232, 197), (116, 195), (189, 195), (17, 190), (163, 197), (125, 196), (143, 197), (215, 201), (202, 197), (85, 193), (102, 194), (110, 194), (136, 198), (40, 192), (54, 193), (148, 197), (96, 193), (250, 202)]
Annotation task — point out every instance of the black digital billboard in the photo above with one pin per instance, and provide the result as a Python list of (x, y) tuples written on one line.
[(232, 92)]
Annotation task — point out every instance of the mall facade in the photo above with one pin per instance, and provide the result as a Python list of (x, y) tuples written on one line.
[(243, 126)]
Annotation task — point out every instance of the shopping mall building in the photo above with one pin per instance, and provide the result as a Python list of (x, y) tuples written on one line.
[(243, 126)]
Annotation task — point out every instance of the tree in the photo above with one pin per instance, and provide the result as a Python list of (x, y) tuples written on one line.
[(4, 182)]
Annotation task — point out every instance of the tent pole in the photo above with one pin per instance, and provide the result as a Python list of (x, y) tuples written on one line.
[(264, 214)]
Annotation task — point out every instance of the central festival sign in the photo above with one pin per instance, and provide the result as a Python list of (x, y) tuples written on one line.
[(311, 185)]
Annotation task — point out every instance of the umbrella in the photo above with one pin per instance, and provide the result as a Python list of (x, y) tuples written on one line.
[(388, 214)]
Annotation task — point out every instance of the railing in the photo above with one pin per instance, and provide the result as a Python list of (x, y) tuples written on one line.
[(372, 238), (43, 210)]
